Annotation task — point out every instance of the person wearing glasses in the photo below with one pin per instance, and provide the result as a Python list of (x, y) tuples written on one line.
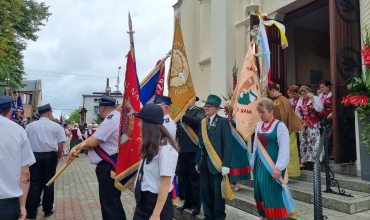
[(213, 159)]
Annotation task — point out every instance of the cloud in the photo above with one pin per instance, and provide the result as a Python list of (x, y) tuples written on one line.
[(84, 42)]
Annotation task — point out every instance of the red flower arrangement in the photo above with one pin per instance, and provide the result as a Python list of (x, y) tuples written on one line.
[(359, 90), (365, 53)]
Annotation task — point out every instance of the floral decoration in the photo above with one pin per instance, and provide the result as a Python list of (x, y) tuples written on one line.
[(359, 90)]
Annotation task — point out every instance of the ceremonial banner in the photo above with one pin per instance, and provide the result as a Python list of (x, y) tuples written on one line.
[(265, 53), (14, 116), (128, 160), (246, 95), (180, 85), (20, 112), (152, 84)]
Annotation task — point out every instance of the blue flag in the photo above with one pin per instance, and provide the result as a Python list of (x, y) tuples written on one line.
[(152, 84), (20, 111)]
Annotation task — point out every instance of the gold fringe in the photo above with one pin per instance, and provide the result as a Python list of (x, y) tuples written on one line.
[(294, 213), (121, 187), (128, 172), (175, 201)]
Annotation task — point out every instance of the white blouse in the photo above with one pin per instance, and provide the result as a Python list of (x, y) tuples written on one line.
[(317, 105), (283, 142), (78, 133), (163, 164)]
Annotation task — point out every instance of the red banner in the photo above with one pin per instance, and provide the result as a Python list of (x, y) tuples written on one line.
[(130, 135)]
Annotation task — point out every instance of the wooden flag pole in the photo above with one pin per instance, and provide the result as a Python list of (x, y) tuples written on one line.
[(51, 181), (155, 68)]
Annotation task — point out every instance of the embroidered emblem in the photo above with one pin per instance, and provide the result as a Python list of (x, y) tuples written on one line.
[(129, 120), (167, 120), (277, 102), (110, 116)]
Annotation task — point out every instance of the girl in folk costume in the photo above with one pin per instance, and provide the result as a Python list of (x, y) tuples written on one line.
[(270, 159), (94, 127), (308, 108), (76, 137), (326, 113), (67, 142), (240, 169), (294, 96), (89, 131)]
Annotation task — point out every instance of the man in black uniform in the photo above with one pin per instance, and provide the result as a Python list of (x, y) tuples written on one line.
[(189, 177)]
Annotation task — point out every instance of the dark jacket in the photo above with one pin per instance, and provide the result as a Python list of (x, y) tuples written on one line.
[(192, 118), (220, 137)]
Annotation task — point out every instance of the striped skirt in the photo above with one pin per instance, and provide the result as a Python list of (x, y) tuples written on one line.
[(267, 193)]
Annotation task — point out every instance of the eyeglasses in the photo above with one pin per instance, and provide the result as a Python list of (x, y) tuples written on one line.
[(208, 106)]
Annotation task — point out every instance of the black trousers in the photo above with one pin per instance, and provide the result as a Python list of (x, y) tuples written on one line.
[(210, 186), (10, 209), (146, 205), (41, 172), (109, 195), (189, 180)]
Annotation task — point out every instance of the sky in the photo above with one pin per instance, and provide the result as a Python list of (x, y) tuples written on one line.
[(85, 41)]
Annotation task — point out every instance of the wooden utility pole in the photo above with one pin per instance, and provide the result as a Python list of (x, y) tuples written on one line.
[(33, 102)]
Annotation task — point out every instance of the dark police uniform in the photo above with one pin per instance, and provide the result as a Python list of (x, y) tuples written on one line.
[(189, 177), (44, 136), (107, 132), (15, 153)]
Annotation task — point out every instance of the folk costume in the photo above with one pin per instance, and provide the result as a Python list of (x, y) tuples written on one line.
[(187, 134), (67, 143), (240, 169), (76, 137), (293, 103), (44, 136), (309, 138), (284, 112), (214, 154), (327, 103), (271, 150)]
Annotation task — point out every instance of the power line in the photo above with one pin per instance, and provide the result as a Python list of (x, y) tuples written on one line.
[(72, 74), (70, 77)]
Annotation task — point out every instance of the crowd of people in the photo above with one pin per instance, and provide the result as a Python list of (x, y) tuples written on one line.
[(200, 149)]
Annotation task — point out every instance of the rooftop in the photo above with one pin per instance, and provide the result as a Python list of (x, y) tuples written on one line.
[(30, 85)]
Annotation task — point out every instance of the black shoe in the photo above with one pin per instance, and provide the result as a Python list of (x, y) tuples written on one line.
[(195, 211), (30, 217), (47, 214), (182, 207)]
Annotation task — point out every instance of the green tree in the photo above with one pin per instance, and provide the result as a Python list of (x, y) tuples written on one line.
[(74, 116), (54, 119), (20, 21), (98, 119)]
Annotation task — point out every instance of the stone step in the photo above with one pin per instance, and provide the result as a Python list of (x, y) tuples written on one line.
[(244, 200), (232, 213), (303, 191), (342, 168), (345, 181), (243, 206)]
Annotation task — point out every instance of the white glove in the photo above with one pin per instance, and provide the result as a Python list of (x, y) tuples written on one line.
[(225, 171)]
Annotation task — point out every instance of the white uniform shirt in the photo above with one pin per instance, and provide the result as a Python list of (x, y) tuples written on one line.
[(107, 132), (15, 152), (170, 125), (283, 142), (44, 135), (163, 164)]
